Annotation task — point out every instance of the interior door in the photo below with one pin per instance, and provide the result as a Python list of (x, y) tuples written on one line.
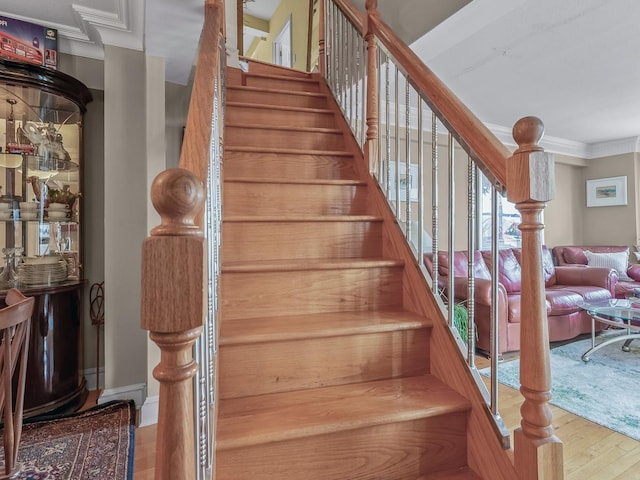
[(282, 46)]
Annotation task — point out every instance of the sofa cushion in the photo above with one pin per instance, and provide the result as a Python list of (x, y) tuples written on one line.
[(563, 301), (589, 293), (461, 264), (509, 268), (575, 255), (618, 261), (547, 264)]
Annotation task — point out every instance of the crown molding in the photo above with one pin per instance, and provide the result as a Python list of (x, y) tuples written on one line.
[(550, 144), (571, 148), (614, 147), (122, 28)]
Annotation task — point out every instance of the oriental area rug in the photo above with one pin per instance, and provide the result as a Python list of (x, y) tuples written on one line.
[(94, 444), (604, 390)]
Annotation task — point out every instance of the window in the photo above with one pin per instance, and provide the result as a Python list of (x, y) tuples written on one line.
[(508, 219)]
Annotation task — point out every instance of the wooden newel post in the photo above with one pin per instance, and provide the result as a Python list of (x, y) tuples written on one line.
[(371, 145), (173, 302), (530, 184)]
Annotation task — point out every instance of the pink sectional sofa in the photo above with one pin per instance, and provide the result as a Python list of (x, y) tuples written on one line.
[(566, 287), (628, 278)]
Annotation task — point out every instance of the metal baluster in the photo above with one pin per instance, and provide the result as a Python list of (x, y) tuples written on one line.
[(420, 246), (494, 330), (407, 156), (396, 143), (388, 132), (348, 72), (471, 248), (434, 202), (452, 230)]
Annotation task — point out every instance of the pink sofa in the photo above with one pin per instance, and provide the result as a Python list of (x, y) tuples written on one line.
[(565, 289), (574, 255)]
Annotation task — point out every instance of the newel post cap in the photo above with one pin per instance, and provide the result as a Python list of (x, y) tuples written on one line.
[(530, 170), (178, 196)]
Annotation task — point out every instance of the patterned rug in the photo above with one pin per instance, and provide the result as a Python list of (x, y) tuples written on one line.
[(95, 444), (604, 390)]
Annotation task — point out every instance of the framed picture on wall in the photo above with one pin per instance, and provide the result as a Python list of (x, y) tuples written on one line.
[(607, 192), (410, 180)]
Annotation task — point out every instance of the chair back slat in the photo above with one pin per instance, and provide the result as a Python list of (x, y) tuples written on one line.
[(15, 328)]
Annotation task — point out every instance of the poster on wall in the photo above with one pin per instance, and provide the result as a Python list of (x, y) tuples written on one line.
[(28, 43)]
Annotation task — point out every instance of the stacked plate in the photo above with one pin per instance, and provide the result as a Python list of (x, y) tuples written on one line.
[(47, 270), (29, 210), (58, 211), (5, 211)]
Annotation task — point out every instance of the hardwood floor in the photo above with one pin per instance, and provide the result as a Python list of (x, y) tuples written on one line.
[(591, 452)]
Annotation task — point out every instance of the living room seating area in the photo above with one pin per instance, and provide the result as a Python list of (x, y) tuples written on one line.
[(566, 288), (611, 256)]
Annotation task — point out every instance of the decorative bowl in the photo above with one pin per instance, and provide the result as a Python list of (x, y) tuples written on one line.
[(57, 215), (58, 206)]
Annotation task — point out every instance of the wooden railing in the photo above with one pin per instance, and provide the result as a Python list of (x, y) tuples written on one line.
[(178, 281), (526, 176)]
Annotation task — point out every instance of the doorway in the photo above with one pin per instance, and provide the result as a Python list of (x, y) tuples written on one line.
[(282, 46)]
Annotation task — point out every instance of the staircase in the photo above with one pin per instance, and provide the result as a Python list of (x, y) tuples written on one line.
[(323, 374)]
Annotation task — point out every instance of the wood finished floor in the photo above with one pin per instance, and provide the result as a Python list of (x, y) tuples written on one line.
[(591, 452)]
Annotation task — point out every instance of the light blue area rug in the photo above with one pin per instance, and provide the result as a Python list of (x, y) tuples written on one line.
[(605, 390)]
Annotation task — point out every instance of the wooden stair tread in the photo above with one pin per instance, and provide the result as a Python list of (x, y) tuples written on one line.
[(295, 181), (308, 264), (302, 218), (272, 76), (283, 128), (276, 417), (295, 151), (321, 111), (276, 90), (464, 473), (293, 327)]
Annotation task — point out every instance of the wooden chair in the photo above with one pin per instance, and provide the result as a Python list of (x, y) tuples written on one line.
[(15, 326)]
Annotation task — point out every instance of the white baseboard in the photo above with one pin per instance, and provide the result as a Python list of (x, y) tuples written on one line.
[(149, 411), (136, 392)]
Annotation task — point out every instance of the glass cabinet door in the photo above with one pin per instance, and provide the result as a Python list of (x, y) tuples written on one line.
[(40, 187)]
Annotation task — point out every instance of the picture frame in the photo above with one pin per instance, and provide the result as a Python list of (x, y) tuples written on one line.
[(413, 192), (607, 192)]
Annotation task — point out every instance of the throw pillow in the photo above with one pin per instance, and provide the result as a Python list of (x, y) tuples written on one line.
[(619, 261)]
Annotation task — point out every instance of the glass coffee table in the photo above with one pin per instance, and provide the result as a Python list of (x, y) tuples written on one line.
[(618, 313)]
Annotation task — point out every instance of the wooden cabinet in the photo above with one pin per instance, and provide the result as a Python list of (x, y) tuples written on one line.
[(41, 123)]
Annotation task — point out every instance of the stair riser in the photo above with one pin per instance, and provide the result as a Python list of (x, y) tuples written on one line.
[(270, 138), (275, 98), (261, 368), (291, 84), (287, 166), (397, 451), (294, 199), (252, 295), (255, 241), (236, 114), (270, 69)]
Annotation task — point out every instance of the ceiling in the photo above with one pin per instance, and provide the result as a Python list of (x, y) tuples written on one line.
[(573, 63)]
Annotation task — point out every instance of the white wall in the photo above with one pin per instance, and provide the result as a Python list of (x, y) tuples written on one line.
[(125, 214)]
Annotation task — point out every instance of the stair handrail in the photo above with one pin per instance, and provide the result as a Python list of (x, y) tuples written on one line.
[(176, 273), (527, 178), (469, 131)]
